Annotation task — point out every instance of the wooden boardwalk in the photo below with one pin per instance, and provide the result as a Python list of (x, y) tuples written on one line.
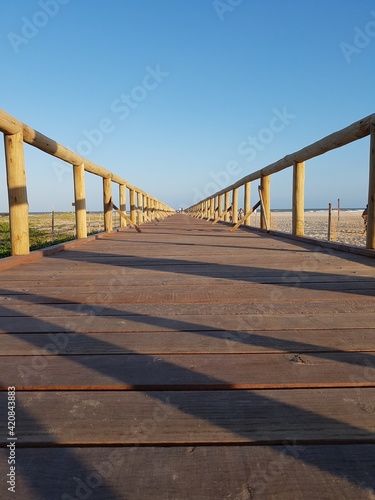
[(189, 362)]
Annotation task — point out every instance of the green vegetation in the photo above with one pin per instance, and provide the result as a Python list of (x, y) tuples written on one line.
[(39, 238), (4, 239), (40, 230)]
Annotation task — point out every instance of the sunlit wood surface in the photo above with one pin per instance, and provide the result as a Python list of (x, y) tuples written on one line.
[(190, 362)]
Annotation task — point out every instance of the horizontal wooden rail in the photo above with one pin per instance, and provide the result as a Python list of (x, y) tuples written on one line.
[(353, 132), (10, 126), (15, 134)]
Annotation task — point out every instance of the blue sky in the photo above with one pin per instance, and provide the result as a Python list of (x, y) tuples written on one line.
[(167, 93)]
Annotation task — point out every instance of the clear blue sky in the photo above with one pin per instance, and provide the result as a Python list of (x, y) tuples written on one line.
[(178, 87)]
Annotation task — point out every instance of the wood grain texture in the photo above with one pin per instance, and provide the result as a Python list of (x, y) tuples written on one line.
[(298, 472), (195, 417), (208, 342), (181, 372), (166, 350)]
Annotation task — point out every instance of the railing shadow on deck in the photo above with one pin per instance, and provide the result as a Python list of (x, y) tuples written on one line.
[(40, 482), (241, 333), (353, 254), (298, 278), (236, 425)]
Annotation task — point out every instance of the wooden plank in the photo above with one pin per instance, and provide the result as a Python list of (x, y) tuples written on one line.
[(182, 276), (183, 372), (195, 308), (117, 293), (298, 472), (209, 342), (147, 322), (223, 354), (257, 417), (130, 290)]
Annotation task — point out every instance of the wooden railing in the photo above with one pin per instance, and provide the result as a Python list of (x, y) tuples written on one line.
[(219, 205), (15, 134)]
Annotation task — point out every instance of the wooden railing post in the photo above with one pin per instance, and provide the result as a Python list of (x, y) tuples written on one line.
[(220, 203), (227, 205), (215, 210), (247, 202), (152, 207), (201, 210), (133, 213), (107, 200), (298, 199), (122, 198), (140, 207), (235, 205), (370, 237), (265, 182), (146, 207), (17, 194), (80, 200), (211, 208)]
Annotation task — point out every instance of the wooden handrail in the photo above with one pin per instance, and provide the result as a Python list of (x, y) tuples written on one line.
[(355, 131), (10, 126), (15, 134)]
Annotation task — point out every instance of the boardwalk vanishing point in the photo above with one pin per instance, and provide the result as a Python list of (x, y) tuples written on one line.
[(190, 362)]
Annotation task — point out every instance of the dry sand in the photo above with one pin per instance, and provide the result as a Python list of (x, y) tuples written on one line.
[(347, 229)]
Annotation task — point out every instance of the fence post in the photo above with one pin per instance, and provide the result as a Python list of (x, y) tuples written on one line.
[(247, 204), (329, 221), (212, 208), (152, 206), (265, 182), (235, 206), (227, 205), (140, 207), (220, 203), (133, 213), (143, 198), (53, 223), (80, 200), (146, 207), (370, 238), (17, 194), (122, 198), (107, 197), (298, 202)]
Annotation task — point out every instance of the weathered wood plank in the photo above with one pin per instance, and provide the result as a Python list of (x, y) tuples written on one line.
[(198, 417), (183, 372), (298, 472), (246, 353), (195, 310), (200, 342), (119, 293), (168, 293), (144, 323)]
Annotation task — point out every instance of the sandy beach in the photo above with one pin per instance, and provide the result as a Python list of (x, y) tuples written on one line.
[(348, 228)]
